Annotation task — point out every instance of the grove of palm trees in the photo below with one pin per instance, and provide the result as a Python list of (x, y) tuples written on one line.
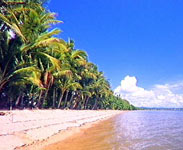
[(39, 70)]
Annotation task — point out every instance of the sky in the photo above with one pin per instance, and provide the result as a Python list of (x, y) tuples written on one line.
[(138, 44)]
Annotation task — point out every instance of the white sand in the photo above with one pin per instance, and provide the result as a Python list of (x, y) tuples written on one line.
[(22, 127)]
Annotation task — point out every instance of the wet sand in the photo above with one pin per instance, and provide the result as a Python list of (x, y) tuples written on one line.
[(91, 137), (35, 129)]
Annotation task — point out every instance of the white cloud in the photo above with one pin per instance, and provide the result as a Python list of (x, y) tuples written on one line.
[(168, 95)]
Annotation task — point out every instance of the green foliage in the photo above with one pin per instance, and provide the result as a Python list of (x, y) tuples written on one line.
[(37, 69), (116, 103)]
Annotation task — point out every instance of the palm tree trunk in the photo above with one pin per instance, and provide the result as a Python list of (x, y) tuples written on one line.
[(54, 97), (39, 100), (61, 97), (86, 103), (32, 101), (44, 99), (46, 94), (22, 101), (18, 100), (65, 103), (94, 106), (76, 105), (11, 103), (70, 101), (79, 106)]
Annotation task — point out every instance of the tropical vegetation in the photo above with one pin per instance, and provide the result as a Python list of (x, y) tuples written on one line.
[(40, 70)]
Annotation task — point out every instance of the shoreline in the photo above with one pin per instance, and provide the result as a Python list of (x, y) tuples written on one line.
[(25, 129)]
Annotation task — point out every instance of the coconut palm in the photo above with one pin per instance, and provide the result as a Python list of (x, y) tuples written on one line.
[(30, 23), (43, 69), (100, 88), (8, 52)]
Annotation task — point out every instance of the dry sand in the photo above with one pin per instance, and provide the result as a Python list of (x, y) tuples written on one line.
[(35, 129)]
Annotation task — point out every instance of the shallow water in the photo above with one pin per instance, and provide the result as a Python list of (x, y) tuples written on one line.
[(136, 130)]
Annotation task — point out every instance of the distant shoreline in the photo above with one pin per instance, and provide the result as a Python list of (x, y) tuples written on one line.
[(160, 108), (38, 128)]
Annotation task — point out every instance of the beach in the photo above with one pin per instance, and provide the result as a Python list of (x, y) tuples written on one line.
[(20, 129)]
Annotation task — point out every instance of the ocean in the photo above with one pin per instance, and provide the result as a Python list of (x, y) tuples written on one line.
[(133, 130)]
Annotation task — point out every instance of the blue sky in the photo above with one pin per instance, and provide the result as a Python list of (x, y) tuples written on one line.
[(135, 38)]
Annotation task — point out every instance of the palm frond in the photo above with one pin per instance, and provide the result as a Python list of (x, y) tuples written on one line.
[(87, 93), (89, 75), (26, 70), (78, 54), (47, 35), (46, 42), (34, 81), (5, 19), (67, 73), (16, 29), (49, 18), (52, 22), (82, 62), (74, 86), (55, 62)]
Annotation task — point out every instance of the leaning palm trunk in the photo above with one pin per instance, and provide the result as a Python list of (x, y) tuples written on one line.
[(71, 101), (65, 103), (54, 97), (11, 103), (95, 105), (75, 106), (22, 101), (86, 103), (44, 99), (18, 100), (46, 94), (39, 100), (60, 100)]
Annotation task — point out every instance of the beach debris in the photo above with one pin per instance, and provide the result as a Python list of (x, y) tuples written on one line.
[(2, 113)]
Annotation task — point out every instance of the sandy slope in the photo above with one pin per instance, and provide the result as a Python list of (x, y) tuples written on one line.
[(18, 128)]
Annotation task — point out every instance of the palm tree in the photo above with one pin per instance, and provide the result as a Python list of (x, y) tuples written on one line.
[(101, 88), (75, 60), (8, 59), (65, 82), (30, 23), (44, 69), (73, 86)]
